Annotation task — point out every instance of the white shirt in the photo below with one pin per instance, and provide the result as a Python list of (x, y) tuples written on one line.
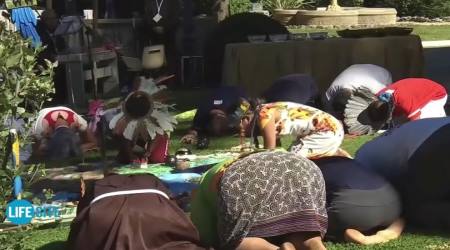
[(389, 153), (368, 75)]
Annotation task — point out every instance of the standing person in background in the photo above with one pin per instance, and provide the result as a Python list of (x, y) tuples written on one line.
[(161, 20), (45, 27)]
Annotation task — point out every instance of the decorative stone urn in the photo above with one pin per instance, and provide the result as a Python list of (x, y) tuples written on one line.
[(285, 16), (334, 6)]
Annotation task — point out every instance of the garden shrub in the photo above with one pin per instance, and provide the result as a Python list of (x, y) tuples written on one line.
[(428, 8), (240, 6), (24, 87), (287, 4)]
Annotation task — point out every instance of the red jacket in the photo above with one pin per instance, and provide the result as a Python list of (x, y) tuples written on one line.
[(412, 94)]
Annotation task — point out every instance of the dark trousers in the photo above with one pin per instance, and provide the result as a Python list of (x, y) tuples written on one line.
[(364, 210)]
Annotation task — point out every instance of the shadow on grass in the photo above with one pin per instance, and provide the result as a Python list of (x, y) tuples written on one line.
[(56, 245)]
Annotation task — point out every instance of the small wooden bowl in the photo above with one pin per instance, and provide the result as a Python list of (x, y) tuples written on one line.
[(182, 165)]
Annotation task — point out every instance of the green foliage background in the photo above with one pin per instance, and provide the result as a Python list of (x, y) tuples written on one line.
[(429, 8), (24, 87)]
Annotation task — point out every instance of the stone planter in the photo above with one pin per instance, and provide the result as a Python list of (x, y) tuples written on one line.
[(347, 16), (325, 18), (285, 17), (377, 16)]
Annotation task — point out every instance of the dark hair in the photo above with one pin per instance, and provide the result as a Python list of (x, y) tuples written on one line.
[(340, 100), (138, 105), (63, 144), (378, 111)]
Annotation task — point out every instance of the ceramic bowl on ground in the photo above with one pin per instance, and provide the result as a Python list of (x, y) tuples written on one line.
[(257, 38), (298, 36), (183, 151), (182, 165), (278, 37), (318, 35)]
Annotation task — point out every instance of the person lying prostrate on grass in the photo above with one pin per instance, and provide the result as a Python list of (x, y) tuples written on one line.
[(409, 99), (415, 158), (49, 120), (216, 116), (359, 202), (266, 200), (130, 212), (298, 88), (318, 134), (370, 76)]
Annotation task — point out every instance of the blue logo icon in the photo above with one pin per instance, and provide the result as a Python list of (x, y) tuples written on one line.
[(20, 212)]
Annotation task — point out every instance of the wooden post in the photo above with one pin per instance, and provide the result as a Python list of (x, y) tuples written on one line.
[(49, 5), (95, 15)]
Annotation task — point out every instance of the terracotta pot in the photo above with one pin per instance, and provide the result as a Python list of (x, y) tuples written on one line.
[(285, 17)]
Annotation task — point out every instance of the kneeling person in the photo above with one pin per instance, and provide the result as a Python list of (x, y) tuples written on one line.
[(59, 133), (265, 200), (131, 212), (359, 201)]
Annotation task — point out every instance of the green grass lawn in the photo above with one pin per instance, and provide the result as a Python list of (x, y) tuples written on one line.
[(53, 237), (427, 33)]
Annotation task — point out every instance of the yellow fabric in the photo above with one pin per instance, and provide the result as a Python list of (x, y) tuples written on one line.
[(15, 148), (323, 60)]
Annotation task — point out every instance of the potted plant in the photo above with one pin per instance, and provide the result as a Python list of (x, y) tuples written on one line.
[(284, 10)]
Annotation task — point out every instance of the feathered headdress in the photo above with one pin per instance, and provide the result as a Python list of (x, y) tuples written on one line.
[(143, 117)]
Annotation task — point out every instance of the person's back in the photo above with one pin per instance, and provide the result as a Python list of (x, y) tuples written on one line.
[(371, 76), (415, 158), (389, 153), (411, 95), (131, 212), (298, 88)]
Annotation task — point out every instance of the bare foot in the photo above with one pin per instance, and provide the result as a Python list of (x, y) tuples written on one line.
[(393, 231), (315, 244), (341, 152), (287, 246), (305, 240), (355, 236), (252, 243)]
